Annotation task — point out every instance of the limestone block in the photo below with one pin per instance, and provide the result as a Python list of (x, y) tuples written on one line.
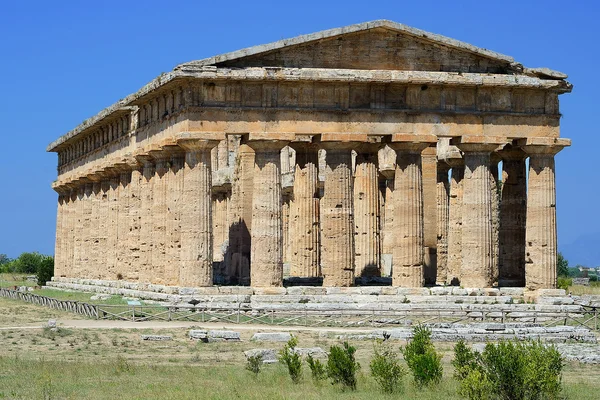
[(268, 356), (271, 337), (270, 291), (315, 352), (156, 338)]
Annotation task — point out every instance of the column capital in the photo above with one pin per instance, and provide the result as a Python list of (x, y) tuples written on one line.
[(266, 145), (411, 143), (144, 159), (478, 144), (512, 152), (543, 146), (197, 145)]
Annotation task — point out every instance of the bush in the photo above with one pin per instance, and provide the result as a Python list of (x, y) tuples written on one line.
[(386, 369), (342, 366), (563, 282), (509, 371), (291, 359), (422, 359), (317, 368), (45, 270), (254, 364)]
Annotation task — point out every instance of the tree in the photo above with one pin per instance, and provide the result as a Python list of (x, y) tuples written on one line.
[(4, 259), (45, 270), (562, 265), (28, 263)]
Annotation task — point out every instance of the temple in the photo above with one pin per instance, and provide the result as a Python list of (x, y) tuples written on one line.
[(372, 153)]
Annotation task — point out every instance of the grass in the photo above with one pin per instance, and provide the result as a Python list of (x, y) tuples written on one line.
[(579, 290), (10, 280)]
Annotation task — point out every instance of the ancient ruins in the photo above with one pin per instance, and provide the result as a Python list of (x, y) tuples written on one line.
[(354, 155)]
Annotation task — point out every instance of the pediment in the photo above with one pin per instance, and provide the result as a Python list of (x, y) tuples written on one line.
[(378, 45)]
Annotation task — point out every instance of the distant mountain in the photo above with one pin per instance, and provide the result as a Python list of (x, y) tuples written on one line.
[(585, 250)]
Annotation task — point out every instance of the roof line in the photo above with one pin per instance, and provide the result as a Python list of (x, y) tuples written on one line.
[(329, 33)]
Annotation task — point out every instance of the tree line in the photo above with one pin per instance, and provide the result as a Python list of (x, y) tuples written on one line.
[(29, 263)]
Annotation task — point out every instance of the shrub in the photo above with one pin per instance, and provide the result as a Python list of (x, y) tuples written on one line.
[(342, 366), (254, 364), (291, 359), (564, 283), (45, 270), (317, 368), (422, 359), (386, 369), (509, 371)]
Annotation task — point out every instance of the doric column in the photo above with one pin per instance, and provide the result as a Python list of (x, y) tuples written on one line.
[(237, 258), (455, 215), (541, 246), (304, 213), (388, 230), (123, 265), (60, 234), (366, 212), (103, 229), (87, 228), (145, 218), (513, 211), (113, 225), (407, 270), (73, 223), (196, 223), (495, 198), (477, 221), (266, 268), (175, 189), (96, 248), (285, 227), (135, 207), (337, 216), (159, 215), (443, 206), (220, 226)]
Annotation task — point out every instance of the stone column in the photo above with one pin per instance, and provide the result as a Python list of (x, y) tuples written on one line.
[(337, 216), (159, 215), (513, 210), (73, 223), (145, 218), (87, 228), (443, 205), (96, 247), (407, 270), (285, 227), (196, 223), (123, 262), (220, 226), (304, 213), (79, 230), (103, 230), (495, 197), (366, 212), (60, 234), (237, 258), (174, 214), (477, 221), (113, 225), (455, 222), (541, 246), (388, 237), (135, 214), (266, 268)]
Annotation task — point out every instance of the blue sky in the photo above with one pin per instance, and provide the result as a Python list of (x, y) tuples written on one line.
[(62, 62)]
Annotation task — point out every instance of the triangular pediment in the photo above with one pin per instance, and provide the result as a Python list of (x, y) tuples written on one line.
[(377, 45)]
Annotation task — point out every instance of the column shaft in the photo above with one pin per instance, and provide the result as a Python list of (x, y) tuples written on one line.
[(113, 227), (123, 263), (266, 257), (366, 215), (175, 189), (495, 203), (159, 218), (337, 218), (304, 216), (513, 211), (407, 267), (196, 223), (135, 218), (443, 206), (477, 226), (146, 220), (455, 225), (540, 267), (60, 235)]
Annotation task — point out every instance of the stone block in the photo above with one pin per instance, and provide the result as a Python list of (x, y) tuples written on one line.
[(198, 334), (269, 356), (315, 352), (271, 337), (217, 335), (389, 290), (440, 290), (550, 292), (270, 291), (156, 338), (413, 291)]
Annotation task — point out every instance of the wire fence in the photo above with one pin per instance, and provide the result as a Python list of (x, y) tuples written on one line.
[(301, 315)]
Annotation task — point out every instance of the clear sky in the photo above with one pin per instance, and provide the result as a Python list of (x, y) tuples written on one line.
[(61, 62)]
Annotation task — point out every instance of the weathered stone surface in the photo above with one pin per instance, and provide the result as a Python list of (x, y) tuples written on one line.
[(214, 335), (271, 337), (156, 338), (268, 356)]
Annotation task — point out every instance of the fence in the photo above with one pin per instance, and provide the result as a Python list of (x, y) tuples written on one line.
[(244, 314)]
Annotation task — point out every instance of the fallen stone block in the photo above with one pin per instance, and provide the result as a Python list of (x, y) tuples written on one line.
[(269, 356), (271, 337), (156, 338), (315, 352)]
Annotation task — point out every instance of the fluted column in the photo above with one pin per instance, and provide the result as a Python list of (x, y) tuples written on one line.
[(196, 268), (285, 227), (407, 270), (304, 214), (69, 264), (366, 212), (541, 246), (220, 227), (60, 234), (79, 230), (135, 212), (337, 216), (123, 261), (145, 218), (495, 198), (477, 222), (87, 228), (96, 247), (513, 211), (388, 230), (159, 215), (266, 252), (174, 214), (443, 206), (455, 216), (103, 230), (113, 225)]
